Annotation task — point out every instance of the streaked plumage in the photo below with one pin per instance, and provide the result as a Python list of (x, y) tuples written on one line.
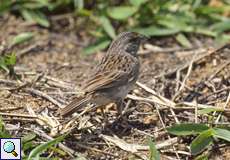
[(114, 76)]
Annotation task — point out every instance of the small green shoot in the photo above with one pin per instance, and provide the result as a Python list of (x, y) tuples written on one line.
[(154, 153)]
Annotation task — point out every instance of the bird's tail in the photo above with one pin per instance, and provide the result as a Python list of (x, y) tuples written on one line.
[(75, 105)]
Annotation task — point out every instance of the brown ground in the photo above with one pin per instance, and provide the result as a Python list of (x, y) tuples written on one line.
[(53, 63)]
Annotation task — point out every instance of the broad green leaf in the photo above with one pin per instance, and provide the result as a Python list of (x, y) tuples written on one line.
[(154, 31), (221, 26), (154, 153), (101, 44), (201, 142), (22, 37), (28, 137), (28, 146), (137, 3), (181, 38), (35, 5), (107, 26), (221, 133), (209, 110), (122, 12), (210, 10), (222, 39), (35, 16), (176, 22), (205, 31), (187, 129), (42, 147)]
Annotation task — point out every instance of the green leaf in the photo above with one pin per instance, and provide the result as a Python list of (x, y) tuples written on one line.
[(35, 16), (99, 45), (154, 31), (222, 39), (10, 60), (42, 147), (201, 142), (22, 37), (154, 153), (176, 23), (3, 132), (209, 110), (221, 26), (222, 134), (187, 129), (137, 3), (122, 12), (28, 146), (205, 31), (210, 9), (107, 26), (28, 137), (7, 62), (183, 40)]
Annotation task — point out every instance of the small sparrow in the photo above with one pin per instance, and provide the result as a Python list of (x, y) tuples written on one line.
[(113, 77)]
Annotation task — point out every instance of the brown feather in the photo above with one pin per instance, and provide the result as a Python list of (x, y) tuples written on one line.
[(75, 105)]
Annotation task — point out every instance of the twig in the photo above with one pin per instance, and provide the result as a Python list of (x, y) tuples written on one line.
[(136, 147), (10, 108), (95, 150), (197, 60), (178, 106), (219, 70), (18, 119), (17, 115), (164, 126), (28, 49), (43, 95), (185, 78)]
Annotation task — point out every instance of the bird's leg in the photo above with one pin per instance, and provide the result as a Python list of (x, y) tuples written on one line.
[(121, 115), (120, 107), (104, 115)]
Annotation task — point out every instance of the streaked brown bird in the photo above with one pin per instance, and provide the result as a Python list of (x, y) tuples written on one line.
[(113, 77)]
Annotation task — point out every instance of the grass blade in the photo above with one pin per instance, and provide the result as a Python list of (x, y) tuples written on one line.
[(22, 37), (201, 142), (154, 153), (183, 40), (107, 26), (222, 134), (122, 12), (42, 147), (99, 45), (187, 129)]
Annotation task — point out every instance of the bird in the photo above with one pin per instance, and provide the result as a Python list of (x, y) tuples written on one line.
[(114, 76)]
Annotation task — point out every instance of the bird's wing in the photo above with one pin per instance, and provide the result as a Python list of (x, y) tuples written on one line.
[(114, 70), (106, 80)]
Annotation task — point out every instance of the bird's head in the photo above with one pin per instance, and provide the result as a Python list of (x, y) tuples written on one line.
[(127, 41)]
